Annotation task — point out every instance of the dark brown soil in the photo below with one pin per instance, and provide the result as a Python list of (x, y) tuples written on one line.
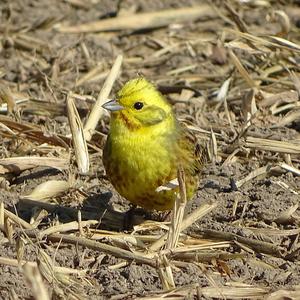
[(39, 63)]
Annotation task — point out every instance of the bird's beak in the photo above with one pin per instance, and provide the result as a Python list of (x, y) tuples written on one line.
[(112, 105)]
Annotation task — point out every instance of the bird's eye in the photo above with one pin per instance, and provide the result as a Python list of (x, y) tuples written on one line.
[(138, 105)]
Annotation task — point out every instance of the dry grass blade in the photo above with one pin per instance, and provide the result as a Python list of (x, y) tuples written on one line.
[(17, 220), (180, 293), (188, 221), (289, 118), (124, 241), (198, 244), (134, 239), (20, 246), (197, 214), (252, 175), (268, 41), (284, 43), (26, 42), (2, 214), (177, 71), (115, 251), (42, 108), (237, 20), (287, 216), (46, 266), (174, 48), (283, 19), (272, 145), (67, 227), (177, 212), (284, 294), (229, 292), (255, 245), (37, 216), (33, 133), (215, 292), (6, 129), (79, 143), (274, 232), (148, 20), (48, 189), (97, 110), (249, 106), (16, 263), (13, 295), (213, 147), (6, 97), (244, 46), (229, 118), (279, 98), (35, 280), (22, 163), (296, 81), (223, 92), (207, 256), (165, 273), (56, 280), (290, 168), (204, 133), (266, 73), (244, 73), (92, 75), (9, 229), (285, 186)]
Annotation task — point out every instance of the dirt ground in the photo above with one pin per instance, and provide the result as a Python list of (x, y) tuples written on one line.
[(231, 72)]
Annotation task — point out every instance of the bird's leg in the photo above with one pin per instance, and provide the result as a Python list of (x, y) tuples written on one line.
[(161, 216), (134, 216)]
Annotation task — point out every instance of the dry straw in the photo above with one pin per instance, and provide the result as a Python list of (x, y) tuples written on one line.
[(143, 20), (79, 143), (97, 110)]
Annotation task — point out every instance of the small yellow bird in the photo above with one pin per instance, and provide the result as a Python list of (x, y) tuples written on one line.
[(146, 145)]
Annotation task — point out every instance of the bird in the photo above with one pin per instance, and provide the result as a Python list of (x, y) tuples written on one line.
[(146, 145)]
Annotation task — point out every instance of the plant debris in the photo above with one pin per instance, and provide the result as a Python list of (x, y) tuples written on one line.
[(231, 71)]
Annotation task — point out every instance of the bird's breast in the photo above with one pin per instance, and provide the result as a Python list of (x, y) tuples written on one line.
[(141, 156), (140, 163)]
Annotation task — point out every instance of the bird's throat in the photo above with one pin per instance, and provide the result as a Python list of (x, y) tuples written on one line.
[(123, 120)]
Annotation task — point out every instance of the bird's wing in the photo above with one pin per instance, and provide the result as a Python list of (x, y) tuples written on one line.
[(197, 145)]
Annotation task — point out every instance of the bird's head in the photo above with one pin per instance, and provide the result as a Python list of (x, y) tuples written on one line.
[(140, 104)]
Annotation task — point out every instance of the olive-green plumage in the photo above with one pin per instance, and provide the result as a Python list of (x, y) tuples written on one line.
[(145, 147)]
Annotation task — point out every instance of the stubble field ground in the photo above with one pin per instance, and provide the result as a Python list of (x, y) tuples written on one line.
[(231, 71)]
